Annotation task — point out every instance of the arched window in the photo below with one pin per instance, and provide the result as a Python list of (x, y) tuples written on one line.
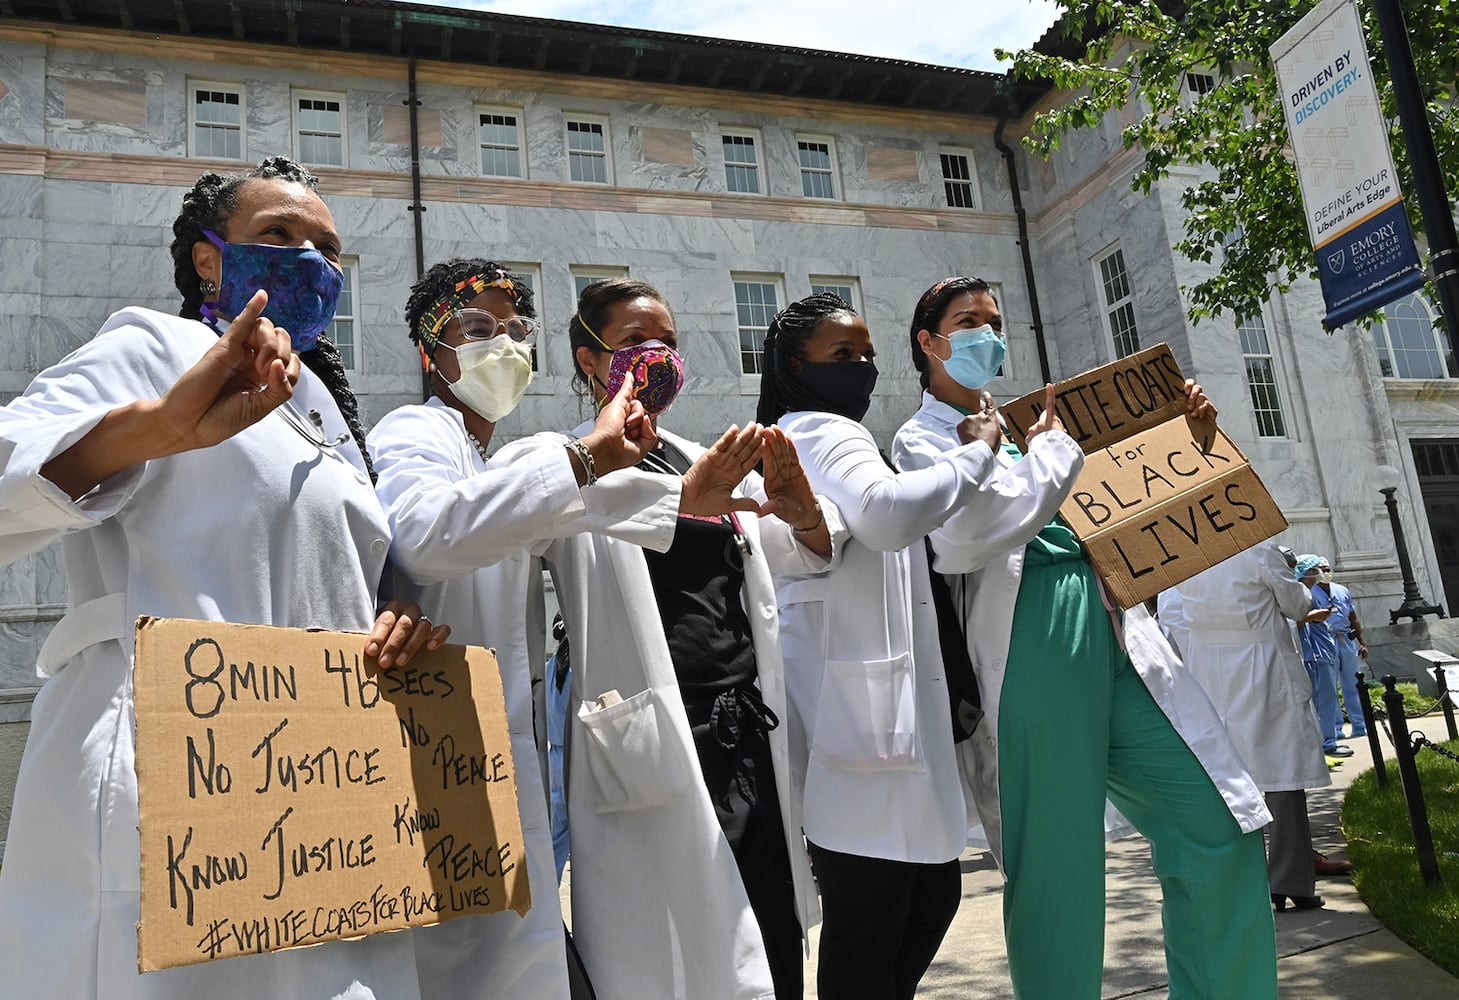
[(1409, 345)]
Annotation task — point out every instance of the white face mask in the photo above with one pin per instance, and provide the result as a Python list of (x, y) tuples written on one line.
[(1324, 576), (494, 375)]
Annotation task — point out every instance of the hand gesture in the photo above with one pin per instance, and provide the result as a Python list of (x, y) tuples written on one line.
[(399, 633), (623, 434), (1197, 405), (710, 481), (1049, 419), (788, 493), (982, 426), (250, 371)]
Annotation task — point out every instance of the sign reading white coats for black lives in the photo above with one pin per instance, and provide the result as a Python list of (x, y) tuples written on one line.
[(1161, 496), (292, 793), (1355, 214)]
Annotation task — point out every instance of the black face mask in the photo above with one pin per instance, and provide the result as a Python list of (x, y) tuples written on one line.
[(842, 387)]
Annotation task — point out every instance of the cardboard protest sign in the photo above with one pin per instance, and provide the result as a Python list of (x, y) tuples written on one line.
[(1161, 496), (291, 792)]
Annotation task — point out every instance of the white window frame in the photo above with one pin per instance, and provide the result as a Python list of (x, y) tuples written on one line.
[(521, 146), (1276, 388), (1383, 340), (585, 274), (1194, 91), (607, 154), (750, 381), (758, 145), (344, 139), (970, 184), (836, 282), (533, 273), (350, 265), (834, 173), (193, 86), (1111, 304)]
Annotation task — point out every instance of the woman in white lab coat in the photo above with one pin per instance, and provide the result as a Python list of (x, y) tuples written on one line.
[(466, 528), (1082, 703), (689, 875), (187, 474), (1231, 624), (871, 730)]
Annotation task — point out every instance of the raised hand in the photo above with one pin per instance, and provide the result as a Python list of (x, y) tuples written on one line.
[(1196, 403), (788, 494), (710, 482), (1049, 419), (622, 435), (250, 371), (982, 426)]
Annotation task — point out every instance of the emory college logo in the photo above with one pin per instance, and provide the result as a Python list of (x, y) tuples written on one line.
[(1336, 261)]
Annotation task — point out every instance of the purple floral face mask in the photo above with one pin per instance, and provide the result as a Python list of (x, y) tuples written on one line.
[(303, 287), (655, 370)]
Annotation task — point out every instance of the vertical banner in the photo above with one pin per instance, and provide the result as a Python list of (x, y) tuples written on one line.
[(1365, 251)]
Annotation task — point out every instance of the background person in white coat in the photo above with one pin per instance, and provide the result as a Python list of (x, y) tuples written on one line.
[(1232, 627), (187, 474), (870, 724), (1132, 726), (689, 874)]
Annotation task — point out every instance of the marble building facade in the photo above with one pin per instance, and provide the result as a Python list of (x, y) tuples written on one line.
[(102, 129)]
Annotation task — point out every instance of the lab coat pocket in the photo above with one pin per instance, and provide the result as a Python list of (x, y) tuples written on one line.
[(866, 716), (635, 757)]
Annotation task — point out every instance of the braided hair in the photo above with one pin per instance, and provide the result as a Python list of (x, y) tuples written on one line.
[(443, 278), (209, 205), (781, 391), (931, 307), (587, 323)]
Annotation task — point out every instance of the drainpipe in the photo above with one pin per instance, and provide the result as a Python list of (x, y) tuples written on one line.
[(415, 207), (1033, 293)]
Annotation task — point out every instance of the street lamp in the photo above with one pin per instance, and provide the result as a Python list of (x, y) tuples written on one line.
[(1413, 606)]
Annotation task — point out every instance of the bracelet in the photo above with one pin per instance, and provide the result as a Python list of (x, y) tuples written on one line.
[(585, 456), (820, 520)]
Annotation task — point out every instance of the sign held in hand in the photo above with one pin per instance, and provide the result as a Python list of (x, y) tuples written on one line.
[(292, 793), (1161, 496)]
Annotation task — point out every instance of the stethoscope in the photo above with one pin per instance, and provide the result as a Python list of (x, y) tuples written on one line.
[(736, 550), (316, 436)]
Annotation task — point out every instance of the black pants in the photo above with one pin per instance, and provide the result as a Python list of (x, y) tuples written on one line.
[(882, 923)]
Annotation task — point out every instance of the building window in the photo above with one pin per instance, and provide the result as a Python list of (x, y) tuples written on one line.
[(587, 150), (848, 288), (319, 129), (957, 178), (757, 300), (741, 163), (582, 277), (1261, 377), (1119, 303), (1408, 344), (531, 277), (342, 330), (500, 136), (215, 126), (817, 167), (1199, 84)]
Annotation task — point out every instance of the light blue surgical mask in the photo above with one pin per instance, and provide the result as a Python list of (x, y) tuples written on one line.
[(976, 356)]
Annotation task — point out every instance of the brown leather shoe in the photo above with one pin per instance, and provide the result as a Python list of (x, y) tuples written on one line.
[(1323, 865)]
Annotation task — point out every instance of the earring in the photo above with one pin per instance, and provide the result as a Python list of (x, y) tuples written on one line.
[(209, 289)]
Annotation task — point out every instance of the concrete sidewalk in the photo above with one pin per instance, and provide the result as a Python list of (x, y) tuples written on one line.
[(1338, 952)]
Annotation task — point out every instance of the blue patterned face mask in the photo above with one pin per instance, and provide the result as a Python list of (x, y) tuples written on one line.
[(303, 287)]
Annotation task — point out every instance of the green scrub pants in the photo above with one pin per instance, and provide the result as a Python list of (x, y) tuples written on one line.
[(1076, 724)]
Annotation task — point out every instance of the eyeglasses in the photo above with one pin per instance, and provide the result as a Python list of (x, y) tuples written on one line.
[(478, 324)]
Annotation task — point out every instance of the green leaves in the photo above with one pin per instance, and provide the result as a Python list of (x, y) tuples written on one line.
[(1244, 216)]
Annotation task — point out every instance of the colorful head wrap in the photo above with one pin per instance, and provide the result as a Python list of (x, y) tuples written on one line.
[(428, 328)]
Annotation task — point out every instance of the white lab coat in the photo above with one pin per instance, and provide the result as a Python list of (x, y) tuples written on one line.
[(265, 527), (1231, 624), (658, 908), (870, 725), (981, 552), (464, 536)]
